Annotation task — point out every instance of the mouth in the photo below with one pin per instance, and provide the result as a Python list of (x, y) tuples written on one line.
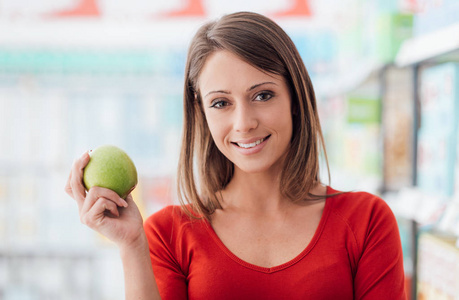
[(253, 144)]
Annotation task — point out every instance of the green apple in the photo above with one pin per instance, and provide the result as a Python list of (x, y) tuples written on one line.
[(110, 167)]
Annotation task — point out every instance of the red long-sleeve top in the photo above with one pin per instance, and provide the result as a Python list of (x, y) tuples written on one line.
[(355, 253)]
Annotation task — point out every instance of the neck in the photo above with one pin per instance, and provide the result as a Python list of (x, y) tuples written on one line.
[(257, 192)]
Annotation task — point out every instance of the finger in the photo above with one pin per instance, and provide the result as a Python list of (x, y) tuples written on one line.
[(129, 199), (99, 192), (109, 194), (76, 181), (68, 188), (108, 205), (97, 213)]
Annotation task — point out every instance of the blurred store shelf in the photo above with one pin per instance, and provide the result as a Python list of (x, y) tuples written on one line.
[(97, 33), (436, 46)]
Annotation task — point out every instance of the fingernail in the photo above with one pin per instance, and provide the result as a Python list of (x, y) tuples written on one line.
[(125, 204)]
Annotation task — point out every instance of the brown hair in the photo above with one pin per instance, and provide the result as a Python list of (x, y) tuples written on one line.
[(262, 43)]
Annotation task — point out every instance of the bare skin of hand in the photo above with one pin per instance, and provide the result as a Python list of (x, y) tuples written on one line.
[(120, 221), (103, 210)]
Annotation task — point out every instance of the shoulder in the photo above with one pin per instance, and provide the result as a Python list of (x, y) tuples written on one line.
[(165, 214), (167, 218), (173, 235), (373, 243), (349, 204), (363, 213), (172, 225)]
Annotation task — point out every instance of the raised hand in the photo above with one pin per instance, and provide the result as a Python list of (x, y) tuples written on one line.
[(102, 209)]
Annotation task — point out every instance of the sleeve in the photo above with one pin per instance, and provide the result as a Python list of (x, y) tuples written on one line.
[(171, 280), (380, 273)]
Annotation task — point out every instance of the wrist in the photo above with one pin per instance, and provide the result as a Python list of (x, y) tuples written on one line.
[(137, 245)]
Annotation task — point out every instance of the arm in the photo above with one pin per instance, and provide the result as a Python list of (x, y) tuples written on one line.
[(139, 280), (121, 222), (380, 273), (168, 253)]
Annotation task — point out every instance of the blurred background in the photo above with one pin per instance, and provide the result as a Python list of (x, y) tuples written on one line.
[(76, 74)]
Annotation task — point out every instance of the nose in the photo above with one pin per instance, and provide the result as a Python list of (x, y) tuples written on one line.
[(245, 118)]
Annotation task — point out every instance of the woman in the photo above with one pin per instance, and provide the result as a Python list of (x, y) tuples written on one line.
[(255, 220)]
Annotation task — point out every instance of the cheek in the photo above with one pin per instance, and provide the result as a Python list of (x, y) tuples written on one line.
[(216, 129), (281, 121), (288, 120)]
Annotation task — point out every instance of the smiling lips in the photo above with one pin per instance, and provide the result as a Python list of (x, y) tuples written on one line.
[(252, 144)]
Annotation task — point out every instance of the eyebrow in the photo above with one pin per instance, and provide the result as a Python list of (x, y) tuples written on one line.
[(248, 90)]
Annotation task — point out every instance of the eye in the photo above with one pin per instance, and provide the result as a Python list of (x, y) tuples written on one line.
[(264, 96), (219, 104)]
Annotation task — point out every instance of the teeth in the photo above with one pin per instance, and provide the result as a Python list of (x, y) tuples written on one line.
[(251, 145)]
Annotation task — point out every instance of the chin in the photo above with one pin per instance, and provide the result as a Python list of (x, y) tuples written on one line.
[(254, 170), (257, 168)]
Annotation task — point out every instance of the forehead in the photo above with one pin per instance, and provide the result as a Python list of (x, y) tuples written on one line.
[(225, 70)]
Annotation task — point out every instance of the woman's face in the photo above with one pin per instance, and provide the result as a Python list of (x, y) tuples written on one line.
[(248, 112)]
